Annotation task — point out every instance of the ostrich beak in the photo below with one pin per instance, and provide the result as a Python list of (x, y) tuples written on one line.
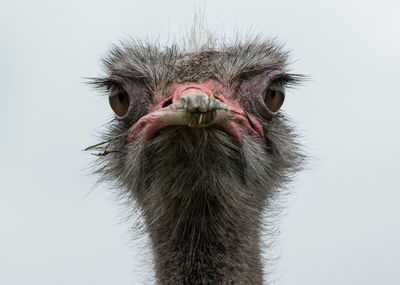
[(196, 110)]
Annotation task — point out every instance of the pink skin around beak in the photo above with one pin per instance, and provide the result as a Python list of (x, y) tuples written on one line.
[(196, 105)]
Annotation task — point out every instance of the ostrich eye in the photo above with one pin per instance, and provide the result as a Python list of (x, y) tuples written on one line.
[(119, 102), (273, 97)]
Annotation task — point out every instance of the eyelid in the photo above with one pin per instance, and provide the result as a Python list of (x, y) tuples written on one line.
[(116, 78), (277, 86), (113, 82), (117, 85), (115, 89), (274, 75)]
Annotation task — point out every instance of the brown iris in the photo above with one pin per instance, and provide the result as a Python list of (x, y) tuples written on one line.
[(273, 99), (119, 103)]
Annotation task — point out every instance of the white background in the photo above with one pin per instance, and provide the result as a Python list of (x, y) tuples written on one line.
[(343, 223)]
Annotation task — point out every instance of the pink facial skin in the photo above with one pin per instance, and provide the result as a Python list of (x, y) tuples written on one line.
[(230, 115)]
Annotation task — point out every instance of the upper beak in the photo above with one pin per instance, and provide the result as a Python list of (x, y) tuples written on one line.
[(196, 110)]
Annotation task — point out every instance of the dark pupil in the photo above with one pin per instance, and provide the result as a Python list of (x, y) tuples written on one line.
[(121, 97), (273, 93)]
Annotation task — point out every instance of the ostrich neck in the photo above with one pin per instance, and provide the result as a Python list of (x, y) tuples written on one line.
[(200, 238), (202, 200)]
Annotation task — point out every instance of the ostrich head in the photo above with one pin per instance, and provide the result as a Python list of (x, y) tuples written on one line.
[(200, 144)]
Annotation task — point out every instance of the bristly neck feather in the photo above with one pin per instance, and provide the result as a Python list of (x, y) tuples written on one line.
[(204, 240), (202, 208)]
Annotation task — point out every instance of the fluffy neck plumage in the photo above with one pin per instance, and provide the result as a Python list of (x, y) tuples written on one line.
[(202, 210), (202, 240)]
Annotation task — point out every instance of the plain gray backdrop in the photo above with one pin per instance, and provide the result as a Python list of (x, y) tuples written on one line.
[(342, 225)]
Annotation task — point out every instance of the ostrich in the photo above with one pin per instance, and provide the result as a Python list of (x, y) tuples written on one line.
[(200, 147)]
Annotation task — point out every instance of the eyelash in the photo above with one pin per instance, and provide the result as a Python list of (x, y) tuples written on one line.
[(280, 79), (286, 79)]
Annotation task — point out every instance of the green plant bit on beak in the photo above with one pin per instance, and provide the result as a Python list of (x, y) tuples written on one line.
[(200, 118)]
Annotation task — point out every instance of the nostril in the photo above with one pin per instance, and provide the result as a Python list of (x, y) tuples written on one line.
[(166, 103), (220, 98)]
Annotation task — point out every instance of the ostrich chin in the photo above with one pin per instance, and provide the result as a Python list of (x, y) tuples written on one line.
[(179, 156)]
